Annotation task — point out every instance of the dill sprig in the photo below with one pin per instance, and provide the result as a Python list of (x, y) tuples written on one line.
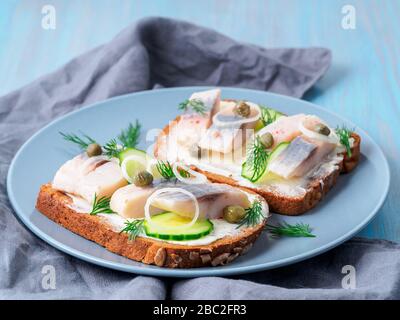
[(268, 115), (112, 149), (344, 136), (165, 169), (286, 229), (254, 215), (101, 205), (256, 159), (83, 143), (195, 104), (133, 228), (129, 137)]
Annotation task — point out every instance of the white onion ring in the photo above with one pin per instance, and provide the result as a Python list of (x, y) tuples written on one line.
[(198, 177), (332, 138), (220, 123), (123, 165), (156, 193)]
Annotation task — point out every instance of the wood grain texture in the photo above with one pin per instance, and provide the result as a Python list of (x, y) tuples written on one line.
[(363, 83)]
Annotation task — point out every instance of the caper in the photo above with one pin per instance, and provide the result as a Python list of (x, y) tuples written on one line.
[(322, 129), (242, 109), (234, 214), (93, 149), (267, 140), (142, 179)]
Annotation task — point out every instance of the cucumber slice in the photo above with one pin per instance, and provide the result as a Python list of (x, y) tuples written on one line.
[(268, 115), (247, 171), (162, 227), (132, 152), (278, 149)]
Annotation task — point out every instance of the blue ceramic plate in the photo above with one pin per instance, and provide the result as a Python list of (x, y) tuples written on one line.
[(345, 211)]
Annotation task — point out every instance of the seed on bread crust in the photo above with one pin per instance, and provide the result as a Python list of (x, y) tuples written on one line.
[(193, 255), (237, 250), (221, 259), (159, 258), (205, 258), (232, 257), (247, 248)]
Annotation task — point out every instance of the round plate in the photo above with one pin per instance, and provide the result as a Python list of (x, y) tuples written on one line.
[(343, 213)]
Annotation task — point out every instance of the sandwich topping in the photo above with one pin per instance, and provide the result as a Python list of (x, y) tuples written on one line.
[(141, 196), (256, 146), (165, 197)]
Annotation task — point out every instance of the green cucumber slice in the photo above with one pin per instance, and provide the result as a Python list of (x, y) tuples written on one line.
[(247, 171), (276, 152), (164, 225), (268, 115), (132, 152)]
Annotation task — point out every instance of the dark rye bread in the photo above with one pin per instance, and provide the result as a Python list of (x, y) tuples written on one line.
[(283, 204), (54, 205)]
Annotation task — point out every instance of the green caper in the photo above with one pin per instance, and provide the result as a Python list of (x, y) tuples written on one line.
[(242, 109), (142, 179), (234, 214), (322, 129), (93, 149), (267, 140)]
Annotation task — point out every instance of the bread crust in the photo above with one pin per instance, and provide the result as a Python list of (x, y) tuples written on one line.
[(55, 205), (283, 204)]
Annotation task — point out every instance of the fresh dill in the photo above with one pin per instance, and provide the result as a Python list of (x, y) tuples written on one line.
[(254, 215), (82, 142), (129, 137), (286, 229), (165, 169), (256, 159), (112, 149), (195, 104), (100, 205), (344, 137), (133, 228)]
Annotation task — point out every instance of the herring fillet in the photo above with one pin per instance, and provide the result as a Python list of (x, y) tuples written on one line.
[(85, 176), (212, 198), (289, 161)]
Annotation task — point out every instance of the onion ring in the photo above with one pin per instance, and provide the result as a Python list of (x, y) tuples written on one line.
[(126, 160), (220, 123), (332, 138), (198, 177), (156, 193)]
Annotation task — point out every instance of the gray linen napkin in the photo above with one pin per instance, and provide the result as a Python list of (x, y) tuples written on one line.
[(358, 269), (154, 52)]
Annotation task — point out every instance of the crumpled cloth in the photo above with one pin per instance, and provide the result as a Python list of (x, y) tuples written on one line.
[(160, 52)]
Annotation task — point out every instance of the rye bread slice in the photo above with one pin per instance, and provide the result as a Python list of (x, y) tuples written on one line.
[(285, 204), (54, 205)]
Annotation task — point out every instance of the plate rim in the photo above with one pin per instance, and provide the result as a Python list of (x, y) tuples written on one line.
[(192, 272)]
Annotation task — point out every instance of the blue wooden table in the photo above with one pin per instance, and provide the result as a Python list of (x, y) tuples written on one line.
[(363, 83)]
